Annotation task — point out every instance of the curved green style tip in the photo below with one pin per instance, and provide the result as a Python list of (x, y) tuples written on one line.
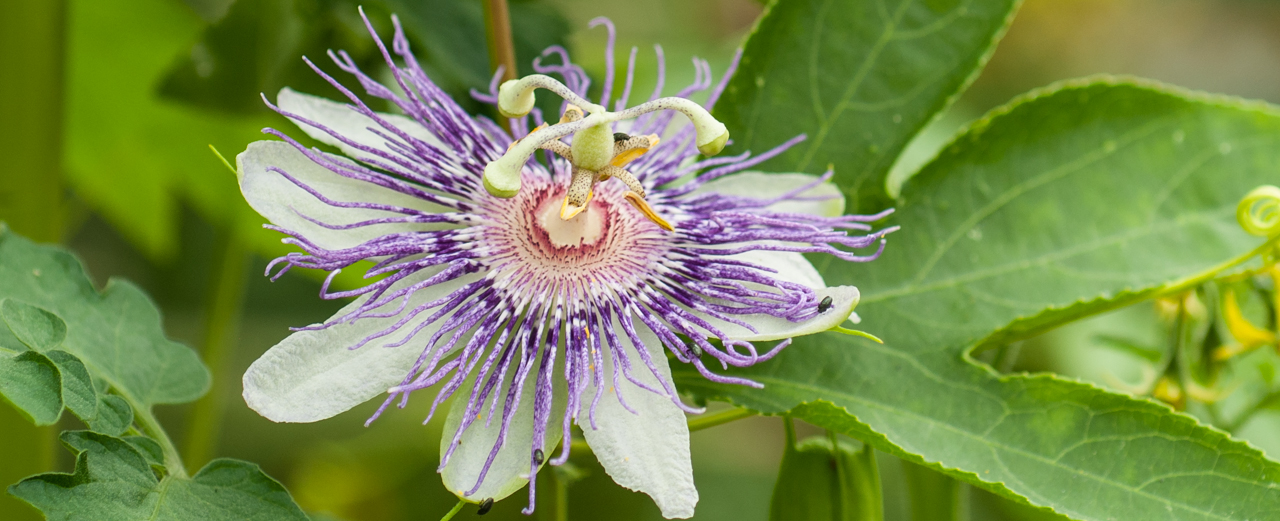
[(506, 114), (499, 185), (715, 146)]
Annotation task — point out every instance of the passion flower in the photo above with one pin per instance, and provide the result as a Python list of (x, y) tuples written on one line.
[(534, 306)]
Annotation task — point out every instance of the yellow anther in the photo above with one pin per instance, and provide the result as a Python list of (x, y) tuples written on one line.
[(644, 208), (571, 113), (622, 159), (569, 211)]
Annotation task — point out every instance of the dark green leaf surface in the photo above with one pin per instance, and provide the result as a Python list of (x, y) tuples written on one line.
[(35, 327), (113, 481), (30, 381), (78, 393), (1069, 202), (859, 78), (116, 333), (817, 483), (114, 415)]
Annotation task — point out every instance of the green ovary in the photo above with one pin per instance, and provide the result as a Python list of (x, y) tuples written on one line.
[(593, 147)]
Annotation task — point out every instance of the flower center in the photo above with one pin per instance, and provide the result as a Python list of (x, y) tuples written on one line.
[(584, 229), (608, 242)]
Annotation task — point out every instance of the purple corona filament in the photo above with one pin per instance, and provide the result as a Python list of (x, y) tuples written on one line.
[(532, 298)]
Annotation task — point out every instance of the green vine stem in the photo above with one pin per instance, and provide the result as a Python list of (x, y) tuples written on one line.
[(222, 321), (454, 511), (497, 31), (934, 496), (719, 418), (151, 427), (32, 39)]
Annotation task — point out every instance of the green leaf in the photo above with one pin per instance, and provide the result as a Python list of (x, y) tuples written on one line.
[(1071, 201), (148, 448), (819, 483), (860, 79), (78, 393), (114, 481), (35, 327), (115, 333), (30, 381), (114, 415)]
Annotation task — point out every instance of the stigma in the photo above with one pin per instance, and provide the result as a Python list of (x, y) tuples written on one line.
[(597, 154)]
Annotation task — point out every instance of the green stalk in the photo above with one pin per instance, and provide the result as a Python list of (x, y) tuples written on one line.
[(562, 497), (151, 427), (453, 512), (934, 496), (32, 52), (497, 32), (222, 324), (719, 418)]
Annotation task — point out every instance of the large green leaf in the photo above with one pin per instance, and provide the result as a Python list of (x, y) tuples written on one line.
[(860, 78), (1068, 202), (114, 481), (115, 333)]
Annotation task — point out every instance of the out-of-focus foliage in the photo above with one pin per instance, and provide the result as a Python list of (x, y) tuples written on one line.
[(129, 154), (257, 47), (825, 479)]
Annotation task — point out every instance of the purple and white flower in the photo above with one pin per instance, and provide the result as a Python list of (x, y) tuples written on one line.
[(532, 317)]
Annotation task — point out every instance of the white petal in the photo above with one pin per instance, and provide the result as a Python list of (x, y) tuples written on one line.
[(791, 267), (768, 327), (648, 451), (312, 375), (510, 469), (281, 201), (762, 185), (343, 119)]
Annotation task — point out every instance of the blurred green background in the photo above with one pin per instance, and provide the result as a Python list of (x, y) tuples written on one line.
[(107, 108)]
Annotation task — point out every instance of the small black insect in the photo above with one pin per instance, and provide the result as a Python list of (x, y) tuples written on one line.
[(619, 136), (485, 506), (697, 351), (538, 456), (824, 305)]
